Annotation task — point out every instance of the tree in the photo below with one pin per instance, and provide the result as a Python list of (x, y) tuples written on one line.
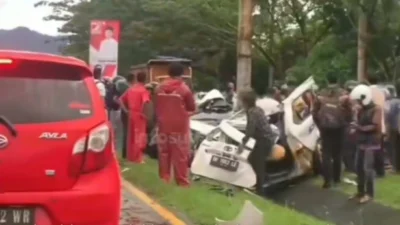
[(288, 29), (191, 29), (297, 38), (244, 44)]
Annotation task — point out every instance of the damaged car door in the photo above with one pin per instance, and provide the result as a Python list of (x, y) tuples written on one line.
[(300, 131)]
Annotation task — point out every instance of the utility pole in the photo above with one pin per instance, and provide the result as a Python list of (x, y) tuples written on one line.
[(244, 46), (362, 45)]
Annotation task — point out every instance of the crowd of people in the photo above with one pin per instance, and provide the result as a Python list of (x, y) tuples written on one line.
[(357, 123), (171, 104), (359, 127)]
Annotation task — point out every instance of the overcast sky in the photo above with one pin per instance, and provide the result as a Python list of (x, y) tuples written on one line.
[(16, 13)]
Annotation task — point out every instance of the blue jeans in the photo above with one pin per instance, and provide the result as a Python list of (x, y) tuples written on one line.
[(365, 170)]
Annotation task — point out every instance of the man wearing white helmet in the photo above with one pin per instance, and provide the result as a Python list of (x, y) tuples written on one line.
[(368, 126)]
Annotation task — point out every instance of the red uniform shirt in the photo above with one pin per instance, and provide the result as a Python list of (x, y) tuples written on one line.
[(135, 98), (179, 87)]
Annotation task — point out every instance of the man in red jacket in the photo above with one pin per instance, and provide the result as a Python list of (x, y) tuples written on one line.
[(135, 103), (174, 105)]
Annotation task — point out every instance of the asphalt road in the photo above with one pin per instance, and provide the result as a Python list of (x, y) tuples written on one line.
[(136, 212), (333, 206)]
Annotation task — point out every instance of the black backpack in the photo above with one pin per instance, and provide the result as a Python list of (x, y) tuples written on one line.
[(331, 113)]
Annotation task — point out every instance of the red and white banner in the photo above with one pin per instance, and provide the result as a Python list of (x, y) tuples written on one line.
[(104, 39)]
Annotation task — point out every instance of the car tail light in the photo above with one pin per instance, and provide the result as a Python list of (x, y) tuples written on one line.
[(8, 64), (92, 152), (6, 61)]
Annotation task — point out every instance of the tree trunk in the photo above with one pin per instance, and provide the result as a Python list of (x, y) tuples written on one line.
[(270, 76), (244, 47), (362, 46)]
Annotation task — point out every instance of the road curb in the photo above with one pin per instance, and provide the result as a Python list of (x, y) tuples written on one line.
[(163, 212)]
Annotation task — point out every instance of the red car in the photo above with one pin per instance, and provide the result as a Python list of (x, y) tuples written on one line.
[(57, 159)]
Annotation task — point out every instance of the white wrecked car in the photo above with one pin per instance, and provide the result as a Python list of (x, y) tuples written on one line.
[(295, 152), (213, 108)]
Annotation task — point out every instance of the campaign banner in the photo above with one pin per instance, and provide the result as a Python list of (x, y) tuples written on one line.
[(103, 49)]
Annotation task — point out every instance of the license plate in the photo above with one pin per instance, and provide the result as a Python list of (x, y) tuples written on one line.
[(17, 216), (224, 163)]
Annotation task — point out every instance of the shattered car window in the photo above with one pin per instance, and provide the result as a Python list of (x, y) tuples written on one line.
[(301, 108)]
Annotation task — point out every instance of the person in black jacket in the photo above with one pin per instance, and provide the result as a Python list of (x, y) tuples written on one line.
[(367, 126), (121, 87), (259, 129)]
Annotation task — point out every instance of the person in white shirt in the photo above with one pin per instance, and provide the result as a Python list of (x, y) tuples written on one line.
[(97, 72), (108, 51), (379, 98), (101, 87)]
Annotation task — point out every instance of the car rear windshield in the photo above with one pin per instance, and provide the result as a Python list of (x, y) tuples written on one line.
[(43, 94)]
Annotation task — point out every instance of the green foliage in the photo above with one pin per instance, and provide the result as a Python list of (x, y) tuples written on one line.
[(326, 59), (297, 38), (204, 82), (260, 76)]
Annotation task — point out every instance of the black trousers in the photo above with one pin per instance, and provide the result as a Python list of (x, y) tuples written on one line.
[(257, 160), (124, 120), (332, 144), (349, 151), (394, 152)]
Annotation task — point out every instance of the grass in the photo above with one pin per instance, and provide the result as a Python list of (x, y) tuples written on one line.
[(202, 205), (386, 189)]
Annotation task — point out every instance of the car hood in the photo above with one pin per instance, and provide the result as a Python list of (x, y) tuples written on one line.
[(211, 95), (238, 119)]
